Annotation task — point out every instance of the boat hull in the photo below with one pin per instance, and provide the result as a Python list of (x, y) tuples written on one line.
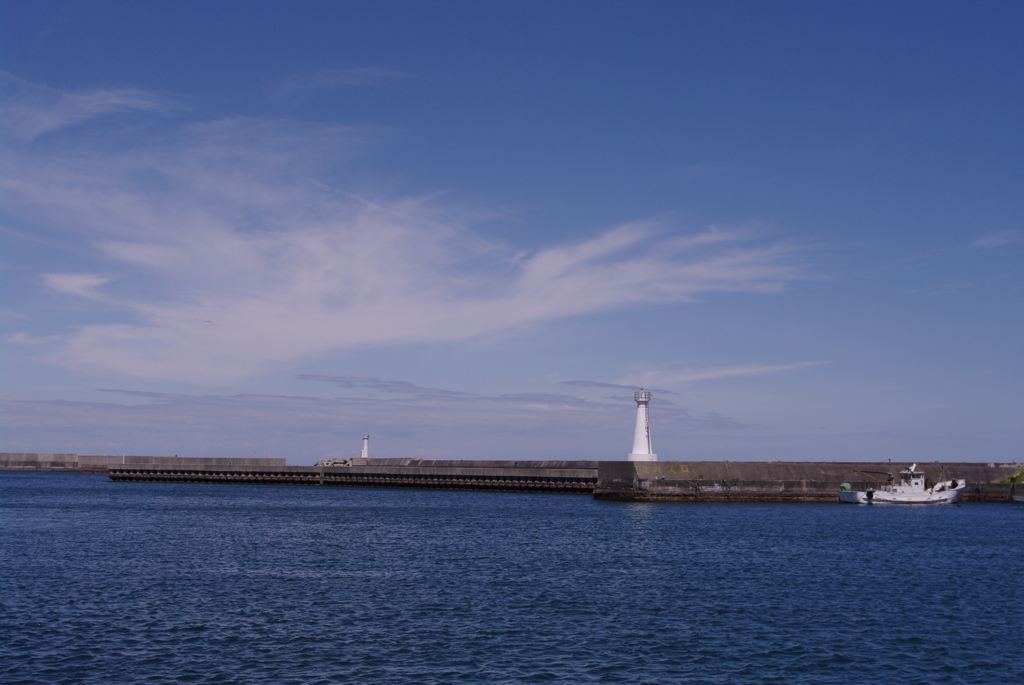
[(934, 496)]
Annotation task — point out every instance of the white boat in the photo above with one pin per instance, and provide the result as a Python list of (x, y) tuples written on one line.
[(911, 490)]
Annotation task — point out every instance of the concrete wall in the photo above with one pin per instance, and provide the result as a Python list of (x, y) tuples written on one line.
[(780, 481), (475, 468), (520, 476), (27, 461), (628, 481), (211, 462), (37, 461), (821, 470)]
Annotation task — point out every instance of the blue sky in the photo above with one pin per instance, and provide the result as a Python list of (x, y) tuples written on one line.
[(470, 229)]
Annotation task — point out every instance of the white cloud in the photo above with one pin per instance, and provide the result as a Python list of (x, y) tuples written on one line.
[(162, 256), (691, 375), (371, 383), (611, 386), (999, 239), (29, 110), (246, 261), (82, 285)]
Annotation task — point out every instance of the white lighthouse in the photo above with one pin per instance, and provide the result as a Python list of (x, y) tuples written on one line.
[(642, 434), (365, 452)]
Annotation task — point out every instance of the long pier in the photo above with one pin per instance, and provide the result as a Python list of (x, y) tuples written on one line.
[(671, 481), (782, 481), (508, 476), (102, 463)]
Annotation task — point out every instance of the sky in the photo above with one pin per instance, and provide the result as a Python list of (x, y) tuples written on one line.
[(472, 230)]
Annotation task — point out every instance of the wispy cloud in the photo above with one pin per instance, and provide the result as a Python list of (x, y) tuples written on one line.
[(29, 109), (236, 223), (599, 384), (999, 239), (691, 375), (371, 383), (82, 285)]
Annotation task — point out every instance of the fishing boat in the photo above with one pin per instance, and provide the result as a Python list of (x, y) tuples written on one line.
[(912, 489)]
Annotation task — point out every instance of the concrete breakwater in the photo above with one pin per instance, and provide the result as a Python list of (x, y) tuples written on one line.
[(101, 463), (510, 476), (607, 480), (736, 481), (697, 481), (39, 461)]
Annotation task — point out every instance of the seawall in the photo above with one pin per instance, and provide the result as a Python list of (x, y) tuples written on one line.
[(511, 476), (101, 463), (696, 481), (736, 481)]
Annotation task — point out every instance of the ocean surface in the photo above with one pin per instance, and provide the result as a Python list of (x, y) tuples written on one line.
[(178, 583)]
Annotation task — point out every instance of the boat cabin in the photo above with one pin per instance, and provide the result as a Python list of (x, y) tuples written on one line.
[(912, 478)]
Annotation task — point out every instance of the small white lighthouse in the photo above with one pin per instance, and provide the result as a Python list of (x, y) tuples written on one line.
[(365, 452), (642, 434)]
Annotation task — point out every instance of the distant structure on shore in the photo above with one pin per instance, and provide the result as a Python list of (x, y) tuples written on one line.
[(641, 480), (642, 435), (364, 453)]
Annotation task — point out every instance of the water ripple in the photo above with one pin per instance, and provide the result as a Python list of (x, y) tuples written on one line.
[(160, 583)]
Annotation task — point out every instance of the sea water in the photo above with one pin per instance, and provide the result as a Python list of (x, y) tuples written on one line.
[(178, 583)]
